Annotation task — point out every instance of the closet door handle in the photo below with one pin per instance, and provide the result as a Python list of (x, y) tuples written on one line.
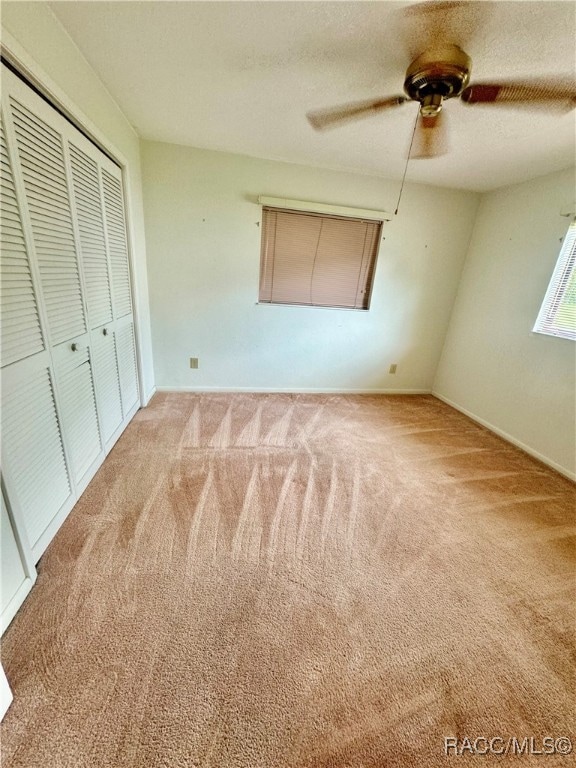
[(105, 331), (74, 347)]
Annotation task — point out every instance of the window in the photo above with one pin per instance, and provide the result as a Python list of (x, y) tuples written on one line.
[(558, 312), (316, 259)]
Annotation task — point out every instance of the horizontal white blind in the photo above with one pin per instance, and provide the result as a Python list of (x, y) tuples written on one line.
[(87, 197), (117, 244), (557, 316), (44, 173), (317, 260), (20, 323)]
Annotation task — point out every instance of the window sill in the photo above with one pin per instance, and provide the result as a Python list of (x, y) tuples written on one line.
[(310, 306)]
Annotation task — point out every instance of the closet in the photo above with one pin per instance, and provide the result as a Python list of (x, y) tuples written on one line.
[(67, 346)]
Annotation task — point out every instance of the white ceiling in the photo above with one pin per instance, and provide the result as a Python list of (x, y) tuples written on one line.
[(240, 77)]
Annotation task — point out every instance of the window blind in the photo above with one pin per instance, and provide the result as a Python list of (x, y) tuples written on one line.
[(317, 259), (557, 315)]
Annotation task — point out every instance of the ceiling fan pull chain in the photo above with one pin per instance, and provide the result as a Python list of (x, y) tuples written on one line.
[(407, 161)]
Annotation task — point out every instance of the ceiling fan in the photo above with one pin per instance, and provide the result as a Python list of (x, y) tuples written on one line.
[(440, 73)]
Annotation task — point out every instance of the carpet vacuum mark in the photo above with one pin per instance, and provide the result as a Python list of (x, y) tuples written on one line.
[(299, 581)]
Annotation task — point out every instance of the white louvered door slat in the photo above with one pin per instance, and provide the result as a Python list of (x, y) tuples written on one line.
[(78, 407), (107, 381), (43, 170), (127, 365), (117, 243), (32, 450), (121, 294), (21, 333), (87, 198)]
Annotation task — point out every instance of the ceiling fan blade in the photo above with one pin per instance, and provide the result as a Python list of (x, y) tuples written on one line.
[(543, 93), (431, 137), (321, 119)]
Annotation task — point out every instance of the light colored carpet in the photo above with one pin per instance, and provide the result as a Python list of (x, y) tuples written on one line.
[(299, 581)]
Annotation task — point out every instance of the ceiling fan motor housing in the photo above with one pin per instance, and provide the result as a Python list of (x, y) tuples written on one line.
[(435, 75)]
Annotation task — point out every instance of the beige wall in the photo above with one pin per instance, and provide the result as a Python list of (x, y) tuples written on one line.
[(204, 251), (520, 383), (35, 34)]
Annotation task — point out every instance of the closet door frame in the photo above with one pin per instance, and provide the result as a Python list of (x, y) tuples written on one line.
[(20, 61)]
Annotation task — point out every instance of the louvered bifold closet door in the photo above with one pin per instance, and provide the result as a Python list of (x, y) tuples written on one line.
[(117, 243), (21, 333), (33, 462), (34, 466), (57, 218), (69, 364), (127, 364), (75, 385), (41, 156), (107, 381), (88, 202), (115, 221), (85, 163)]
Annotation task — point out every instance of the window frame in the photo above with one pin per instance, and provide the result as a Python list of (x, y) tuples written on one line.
[(321, 211), (563, 274)]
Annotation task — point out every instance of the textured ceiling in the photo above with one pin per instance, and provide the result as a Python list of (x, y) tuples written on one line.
[(240, 77)]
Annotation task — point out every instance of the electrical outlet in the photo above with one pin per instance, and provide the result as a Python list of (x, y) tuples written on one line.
[(393, 368), (193, 362)]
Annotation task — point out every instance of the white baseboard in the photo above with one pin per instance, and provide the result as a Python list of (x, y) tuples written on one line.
[(509, 438), (149, 397), (298, 390)]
